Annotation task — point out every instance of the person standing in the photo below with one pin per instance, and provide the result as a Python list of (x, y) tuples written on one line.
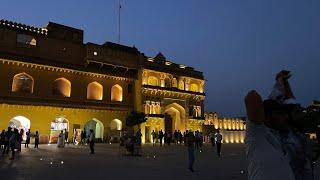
[(2, 138), (218, 142), (66, 136), (197, 140), (61, 140), (28, 134), (190, 145), (160, 137), (176, 137), (6, 141), (169, 138), (154, 137), (20, 139), (91, 141), (180, 137), (212, 139), (36, 140), (13, 142)]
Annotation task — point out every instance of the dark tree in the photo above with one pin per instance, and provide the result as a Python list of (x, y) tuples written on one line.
[(135, 118)]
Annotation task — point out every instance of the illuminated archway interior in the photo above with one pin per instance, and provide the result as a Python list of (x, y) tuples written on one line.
[(97, 127), (116, 93), (153, 81), (22, 82), (20, 122), (61, 87), (116, 124), (95, 91), (194, 88), (177, 113)]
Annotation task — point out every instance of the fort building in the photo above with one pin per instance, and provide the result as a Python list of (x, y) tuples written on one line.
[(51, 81)]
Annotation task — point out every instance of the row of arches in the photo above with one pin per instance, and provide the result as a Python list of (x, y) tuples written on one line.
[(24, 83), (61, 123), (154, 81)]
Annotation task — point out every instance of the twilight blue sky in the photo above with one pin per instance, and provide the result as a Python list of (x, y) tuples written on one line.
[(239, 45)]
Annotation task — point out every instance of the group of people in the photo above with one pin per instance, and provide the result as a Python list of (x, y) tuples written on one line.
[(177, 137), (192, 140), (90, 139), (13, 138)]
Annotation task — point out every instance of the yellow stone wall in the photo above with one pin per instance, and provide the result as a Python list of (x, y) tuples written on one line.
[(42, 116), (194, 125)]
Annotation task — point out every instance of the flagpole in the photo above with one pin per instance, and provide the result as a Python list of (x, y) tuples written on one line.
[(119, 25)]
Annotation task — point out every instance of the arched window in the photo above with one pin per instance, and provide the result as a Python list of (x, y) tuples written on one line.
[(194, 88), (153, 81), (116, 124), (22, 82), (174, 82), (116, 93), (95, 91), (181, 85), (61, 87)]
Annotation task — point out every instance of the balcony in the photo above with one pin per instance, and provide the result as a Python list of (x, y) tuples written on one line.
[(173, 89)]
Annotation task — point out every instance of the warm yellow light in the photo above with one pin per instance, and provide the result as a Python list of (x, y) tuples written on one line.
[(116, 93)]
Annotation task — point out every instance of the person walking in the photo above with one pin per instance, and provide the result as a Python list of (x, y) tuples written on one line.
[(28, 135), (36, 140), (212, 139), (160, 137), (190, 146), (218, 142), (91, 141)]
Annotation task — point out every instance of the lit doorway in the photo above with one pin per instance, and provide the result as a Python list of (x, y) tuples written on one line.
[(59, 124), (97, 127), (20, 122)]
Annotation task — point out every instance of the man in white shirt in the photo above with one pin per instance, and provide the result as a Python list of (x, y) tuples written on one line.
[(269, 153)]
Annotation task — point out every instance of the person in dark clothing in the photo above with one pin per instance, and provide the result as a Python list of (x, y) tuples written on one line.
[(218, 142), (28, 135), (180, 137), (169, 137), (36, 140), (176, 136), (14, 138), (2, 138), (197, 140), (91, 141), (6, 141), (160, 137), (212, 139), (190, 145), (20, 139), (66, 136)]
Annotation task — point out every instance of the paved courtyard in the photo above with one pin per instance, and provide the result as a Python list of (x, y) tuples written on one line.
[(74, 162)]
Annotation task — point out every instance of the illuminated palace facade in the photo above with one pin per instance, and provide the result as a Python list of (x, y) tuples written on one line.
[(51, 81), (232, 129)]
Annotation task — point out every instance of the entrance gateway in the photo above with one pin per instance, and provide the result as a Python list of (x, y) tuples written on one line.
[(20, 122), (175, 117)]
